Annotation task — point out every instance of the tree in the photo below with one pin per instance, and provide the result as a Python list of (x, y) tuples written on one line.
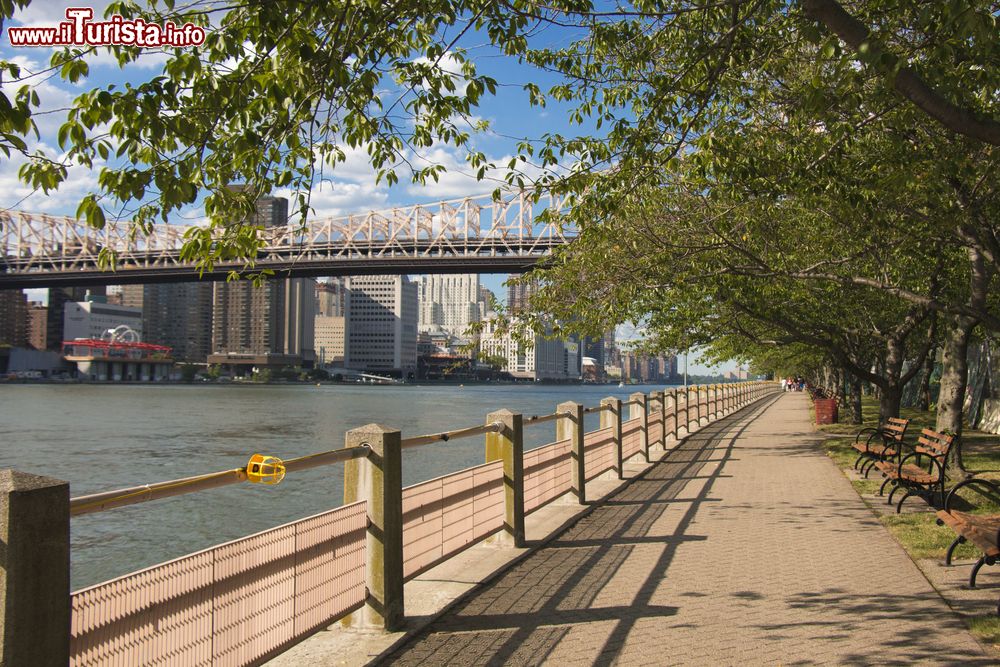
[(279, 90), (188, 372)]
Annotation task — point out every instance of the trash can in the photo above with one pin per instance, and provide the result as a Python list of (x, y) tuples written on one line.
[(826, 410)]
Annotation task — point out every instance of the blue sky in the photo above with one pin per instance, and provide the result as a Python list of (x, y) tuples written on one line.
[(351, 188)]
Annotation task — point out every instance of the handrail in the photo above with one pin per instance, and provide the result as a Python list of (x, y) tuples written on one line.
[(445, 436), (541, 419), (106, 500)]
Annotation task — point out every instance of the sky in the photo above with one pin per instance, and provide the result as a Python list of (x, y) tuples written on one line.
[(352, 187)]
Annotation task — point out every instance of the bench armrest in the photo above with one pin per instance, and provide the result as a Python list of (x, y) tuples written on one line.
[(869, 431), (992, 486)]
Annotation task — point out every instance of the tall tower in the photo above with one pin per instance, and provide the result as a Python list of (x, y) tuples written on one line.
[(178, 315), (450, 302), (270, 325), (381, 324)]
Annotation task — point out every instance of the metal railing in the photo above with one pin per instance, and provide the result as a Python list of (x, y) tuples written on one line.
[(405, 531)]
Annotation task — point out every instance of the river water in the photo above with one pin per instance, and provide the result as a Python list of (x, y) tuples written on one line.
[(102, 437)]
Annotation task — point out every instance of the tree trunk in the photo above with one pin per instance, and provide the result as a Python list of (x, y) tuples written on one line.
[(856, 415), (924, 389), (954, 379), (889, 399), (838, 392), (891, 389)]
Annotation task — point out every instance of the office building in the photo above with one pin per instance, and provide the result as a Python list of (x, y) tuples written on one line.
[(13, 318), (541, 359), (331, 297), (267, 326), (450, 303), (330, 340), (38, 317), (58, 298), (518, 296), (381, 324), (178, 315), (92, 319)]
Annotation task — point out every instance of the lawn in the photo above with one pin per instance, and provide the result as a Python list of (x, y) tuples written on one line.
[(918, 532)]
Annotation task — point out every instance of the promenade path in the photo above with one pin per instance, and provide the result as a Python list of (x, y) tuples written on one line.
[(745, 544)]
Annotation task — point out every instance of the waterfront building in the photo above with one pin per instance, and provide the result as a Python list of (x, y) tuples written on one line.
[(330, 339), (115, 361), (539, 359), (268, 326), (92, 319), (13, 318), (58, 298), (178, 315), (38, 317), (450, 302), (381, 325)]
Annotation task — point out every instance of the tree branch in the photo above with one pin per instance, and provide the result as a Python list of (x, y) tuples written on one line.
[(906, 82)]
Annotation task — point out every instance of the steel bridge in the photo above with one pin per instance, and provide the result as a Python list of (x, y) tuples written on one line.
[(470, 235)]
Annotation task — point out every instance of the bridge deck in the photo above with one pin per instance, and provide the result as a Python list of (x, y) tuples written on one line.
[(744, 545)]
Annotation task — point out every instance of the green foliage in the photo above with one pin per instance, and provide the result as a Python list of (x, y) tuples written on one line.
[(188, 372)]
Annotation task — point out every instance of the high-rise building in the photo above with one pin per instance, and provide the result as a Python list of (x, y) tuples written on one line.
[(38, 317), (450, 303), (91, 319), (381, 323), (178, 315), (13, 318), (58, 298), (271, 325), (331, 298), (518, 296), (540, 359), (330, 339)]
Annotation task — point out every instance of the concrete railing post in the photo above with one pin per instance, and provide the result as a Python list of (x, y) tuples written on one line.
[(639, 408), (34, 570), (663, 419), (669, 403), (571, 428), (508, 445), (611, 417), (378, 480), (684, 423)]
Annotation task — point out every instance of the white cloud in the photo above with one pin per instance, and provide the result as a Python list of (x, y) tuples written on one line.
[(54, 100), (337, 198), (64, 201), (449, 65)]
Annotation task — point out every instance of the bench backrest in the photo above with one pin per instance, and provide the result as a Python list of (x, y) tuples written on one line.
[(895, 428), (934, 444)]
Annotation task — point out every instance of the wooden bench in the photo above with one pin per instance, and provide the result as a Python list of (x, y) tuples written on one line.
[(907, 472), (879, 444), (982, 530)]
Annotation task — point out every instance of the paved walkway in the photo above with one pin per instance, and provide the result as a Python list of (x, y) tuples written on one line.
[(744, 545)]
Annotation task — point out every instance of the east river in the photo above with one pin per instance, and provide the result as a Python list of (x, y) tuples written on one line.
[(103, 437)]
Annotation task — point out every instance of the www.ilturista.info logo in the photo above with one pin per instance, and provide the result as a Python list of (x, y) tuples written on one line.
[(79, 30)]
